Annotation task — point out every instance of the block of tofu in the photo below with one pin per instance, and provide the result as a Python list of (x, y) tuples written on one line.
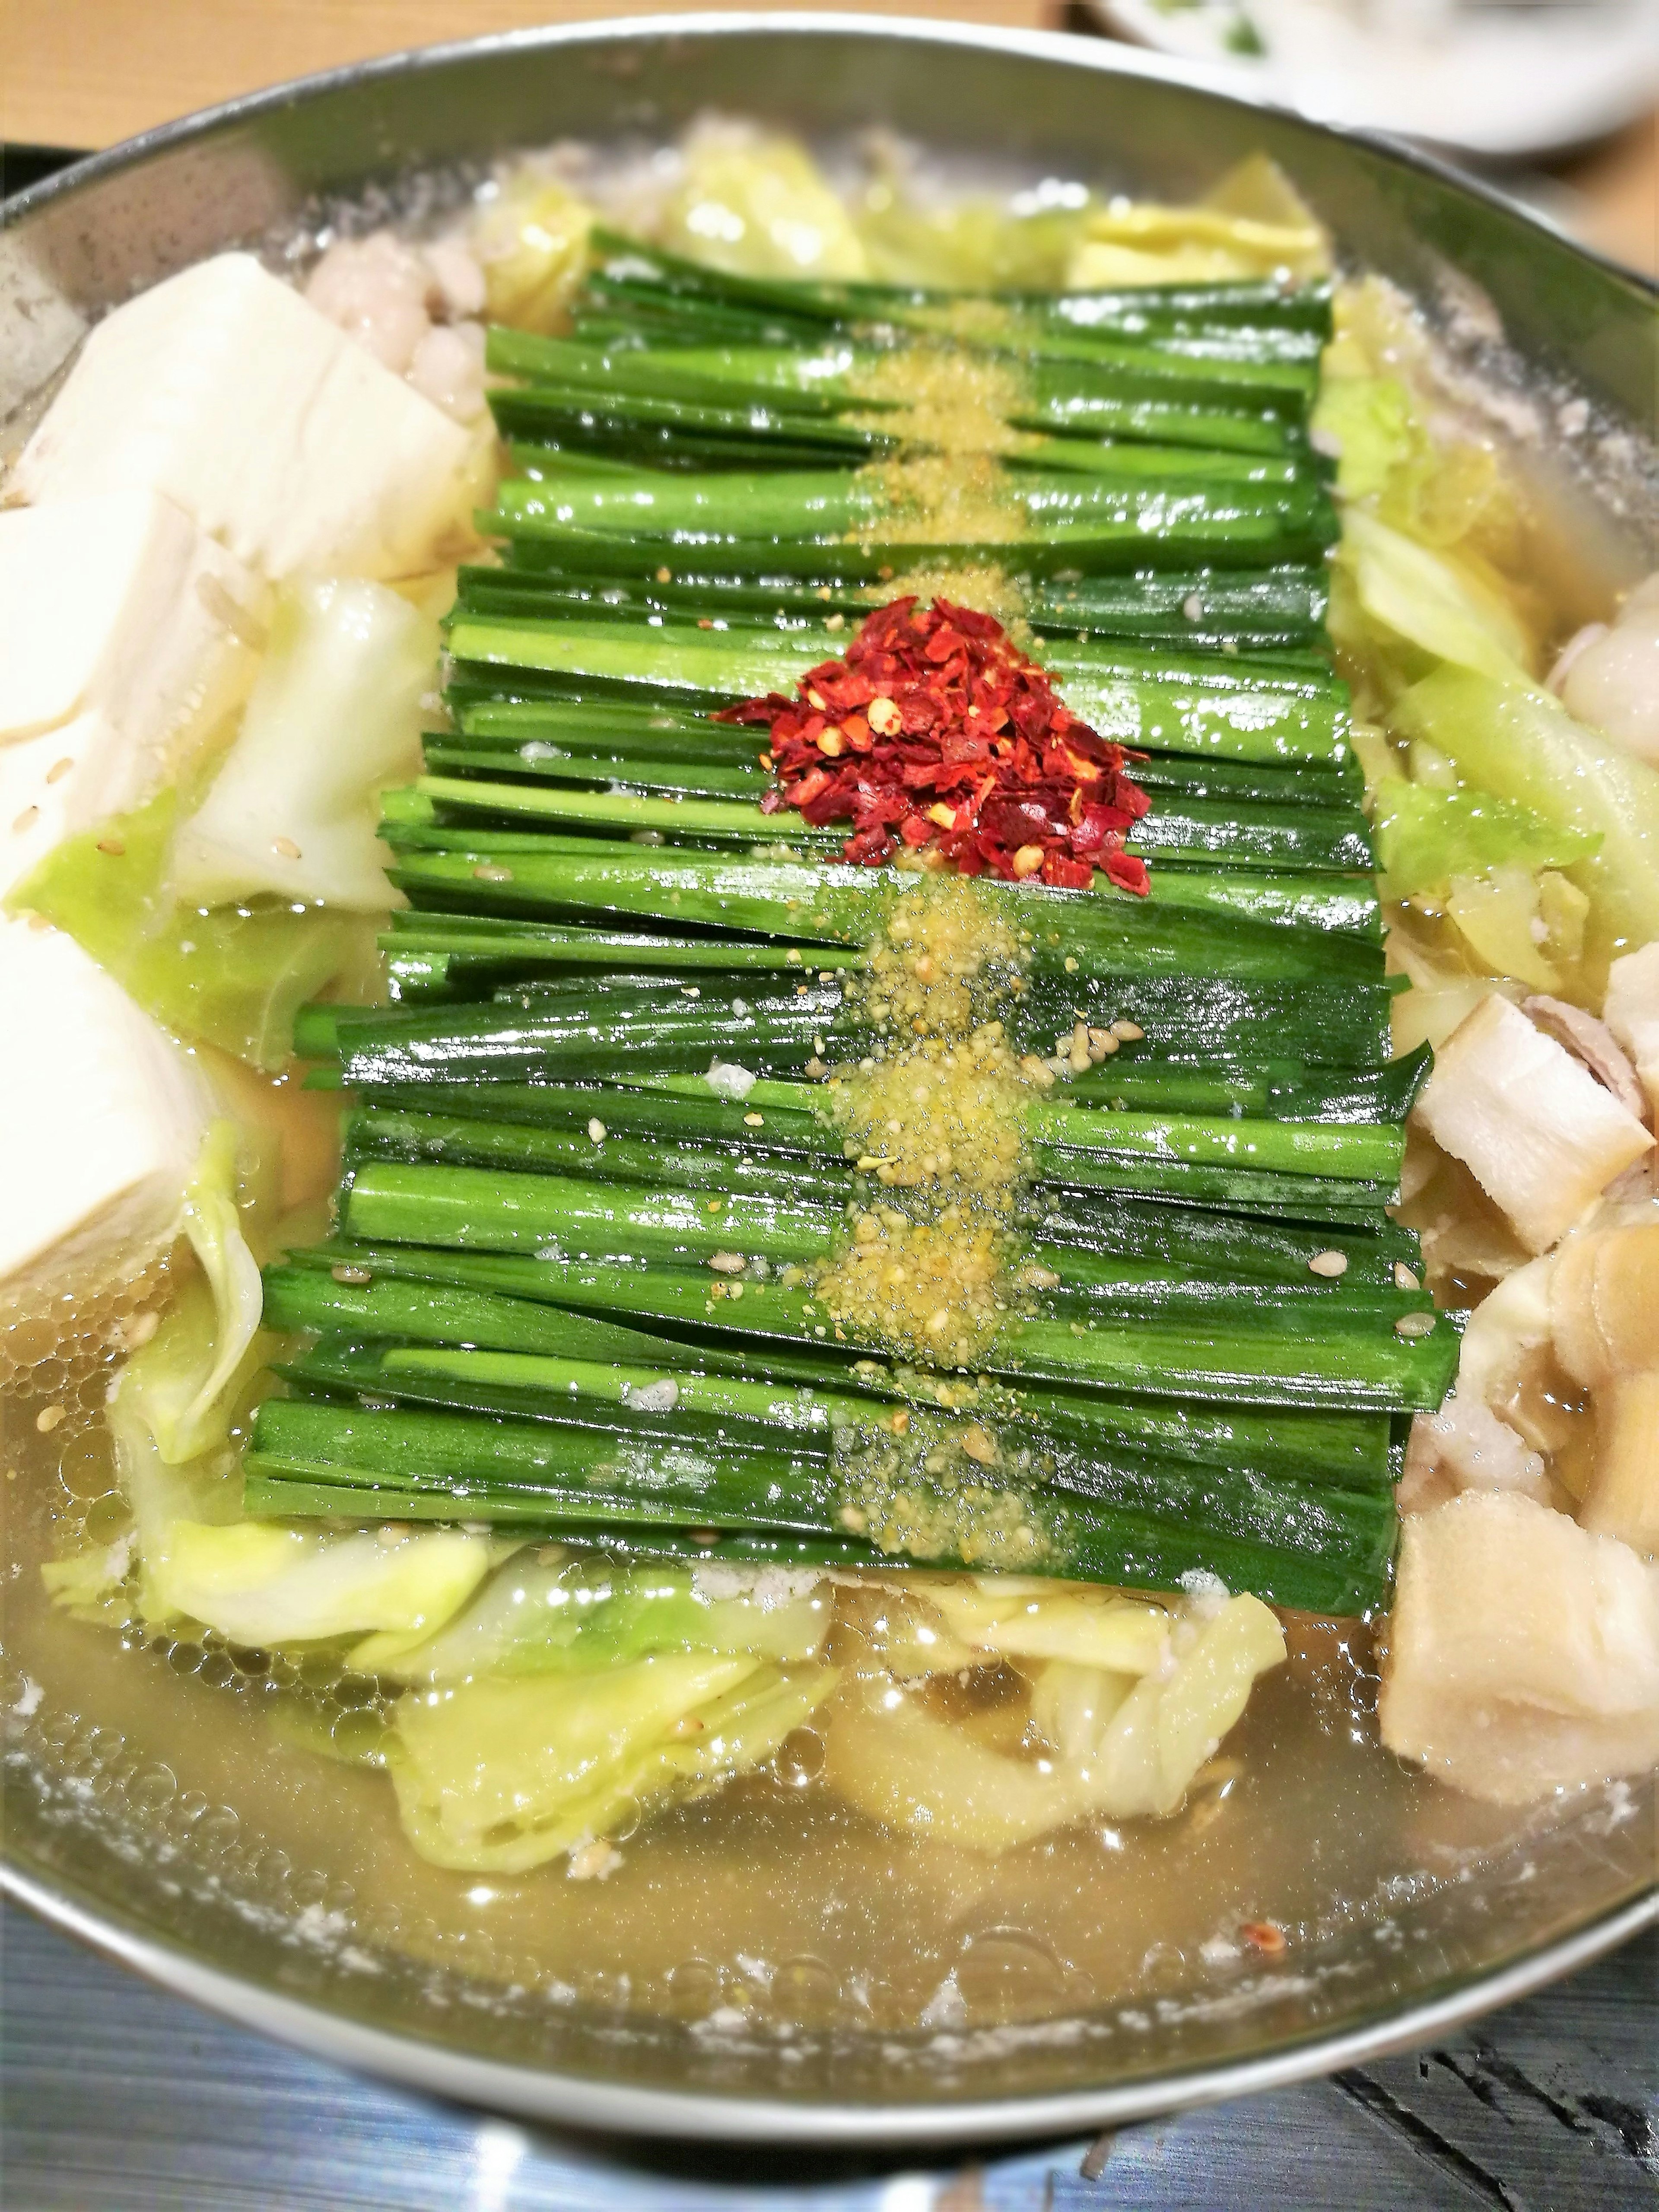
[(1631, 1012), (102, 1120), (1541, 1135), (225, 390), (125, 634)]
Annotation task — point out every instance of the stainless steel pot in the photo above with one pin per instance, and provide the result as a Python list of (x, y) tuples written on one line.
[(1559, 340)]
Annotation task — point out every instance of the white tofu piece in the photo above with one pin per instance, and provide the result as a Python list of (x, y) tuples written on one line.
[(1541, 1136), (276, 434), (1523, 1650), (125, 634), (1631, 1012), (101, 1121)]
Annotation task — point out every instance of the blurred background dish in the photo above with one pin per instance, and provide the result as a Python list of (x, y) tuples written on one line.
[(1500, 81)]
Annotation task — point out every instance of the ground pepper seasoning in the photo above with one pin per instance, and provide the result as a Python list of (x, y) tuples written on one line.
[(936, 730)]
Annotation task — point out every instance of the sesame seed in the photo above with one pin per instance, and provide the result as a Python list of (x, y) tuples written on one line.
[(285, 847), (596, 1130), (351, 1274), (59, 769), (47, 1419), (26, 819), (1405, 1279), (754, 1120), (113, 846), (1329, 1263), (1413, 1324), (726, 1263)]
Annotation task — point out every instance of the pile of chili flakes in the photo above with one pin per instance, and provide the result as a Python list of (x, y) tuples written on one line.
[(937, 731)]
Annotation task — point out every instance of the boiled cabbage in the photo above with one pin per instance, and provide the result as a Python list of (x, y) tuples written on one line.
[(1253, 223), (187, 1381), (1522, 745), (542, 1616), (335, 715), (760, 207), (499, 1776), (974, 244), (531, 241), (1442, 605), (1125, 1746), (234, 976), (1426, 836)]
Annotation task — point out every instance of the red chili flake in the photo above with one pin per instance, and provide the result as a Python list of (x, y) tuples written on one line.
[(936, 730), (1265, 1936)]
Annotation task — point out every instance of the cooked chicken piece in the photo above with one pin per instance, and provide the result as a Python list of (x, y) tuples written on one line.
[(1541, 1135), (1632, 1013), (1523, 1650)]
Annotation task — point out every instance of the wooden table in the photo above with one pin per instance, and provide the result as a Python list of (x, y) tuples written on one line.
[(83, 73)]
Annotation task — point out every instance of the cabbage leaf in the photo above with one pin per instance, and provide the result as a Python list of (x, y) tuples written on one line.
[(268, 1586), (187, 1378), (759, 206), (540, 1617), (973, 244), (1425, 836), (1253, 223), (1127, 1747), (1433, 601), (1523, 746), (501, 1774), (531, 241), (334, 715), (231, 976)]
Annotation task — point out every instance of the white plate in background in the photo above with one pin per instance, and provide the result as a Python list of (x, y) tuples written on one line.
[(1503, 78)]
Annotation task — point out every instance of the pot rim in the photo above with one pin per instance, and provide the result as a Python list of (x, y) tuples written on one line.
[(1110, 58), (574, 2099)]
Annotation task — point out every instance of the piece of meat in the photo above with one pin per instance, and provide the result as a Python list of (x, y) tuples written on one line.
[(1523, 1650), (1593, 1043), (1465, 1446), (1630, 1011), (1541, 1135)]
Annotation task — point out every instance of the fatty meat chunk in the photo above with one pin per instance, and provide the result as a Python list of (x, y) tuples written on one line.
[(1541, 1135), (1631, 1012), (1523, 1650)]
